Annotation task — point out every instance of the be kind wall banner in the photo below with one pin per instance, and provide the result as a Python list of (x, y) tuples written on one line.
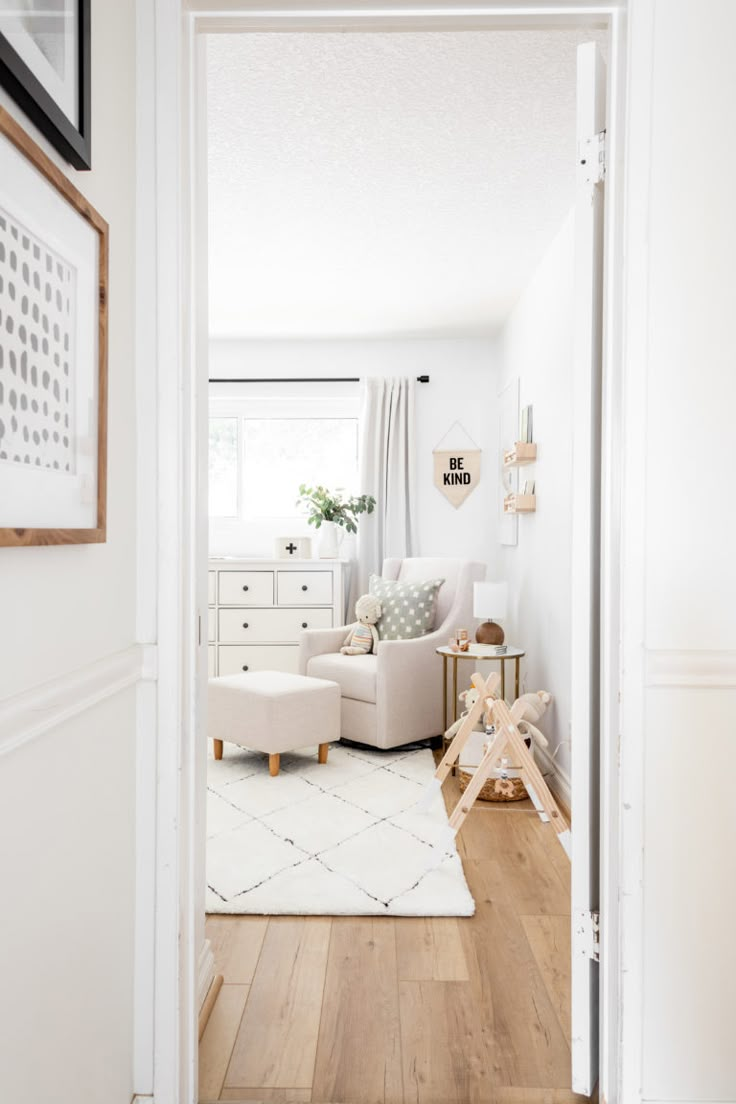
[(456, 473)]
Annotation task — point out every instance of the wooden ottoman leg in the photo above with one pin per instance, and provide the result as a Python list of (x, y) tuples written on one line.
[(218, 748), (323, 749), (274, 762)]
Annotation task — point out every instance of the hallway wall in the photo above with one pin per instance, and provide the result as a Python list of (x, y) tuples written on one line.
[(66, 958), (67, 797)]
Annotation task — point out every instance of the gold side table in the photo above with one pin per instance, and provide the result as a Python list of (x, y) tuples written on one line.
[(477, 656)]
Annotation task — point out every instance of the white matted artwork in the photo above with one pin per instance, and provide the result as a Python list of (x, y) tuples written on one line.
[(38, 304), (508, 402), (53, 262)]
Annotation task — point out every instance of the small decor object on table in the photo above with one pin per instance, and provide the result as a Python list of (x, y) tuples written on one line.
[(490, 600), (363, 636), (462, 640), (45, 67), (330, 511), (53, 352), (293, 548)]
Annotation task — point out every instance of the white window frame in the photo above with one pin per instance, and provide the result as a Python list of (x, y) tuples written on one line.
[(231, 535)]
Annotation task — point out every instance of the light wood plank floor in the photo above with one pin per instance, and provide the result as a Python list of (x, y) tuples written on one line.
[(363, 1010)]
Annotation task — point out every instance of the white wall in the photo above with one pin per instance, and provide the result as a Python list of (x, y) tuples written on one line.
[(679, 691), (462, 387), (536, 347), (66, 956), (67, 799)]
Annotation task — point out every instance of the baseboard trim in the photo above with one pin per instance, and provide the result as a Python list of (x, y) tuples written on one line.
[(25, 716), (205, 973), (706, 669), (556, 778), (209, 1003)]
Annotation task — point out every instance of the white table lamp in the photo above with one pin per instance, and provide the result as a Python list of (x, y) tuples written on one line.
[(490, 601)]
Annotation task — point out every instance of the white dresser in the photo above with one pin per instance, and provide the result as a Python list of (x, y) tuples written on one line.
[(258, 608)]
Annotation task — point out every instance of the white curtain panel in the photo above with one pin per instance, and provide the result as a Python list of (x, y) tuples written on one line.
[(387, 450)]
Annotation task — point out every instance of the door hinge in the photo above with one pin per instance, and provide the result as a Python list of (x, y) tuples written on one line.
[(588, 935), (592, 158), (199, 629)]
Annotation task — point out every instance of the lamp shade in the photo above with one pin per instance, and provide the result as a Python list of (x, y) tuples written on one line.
[(490, 600)]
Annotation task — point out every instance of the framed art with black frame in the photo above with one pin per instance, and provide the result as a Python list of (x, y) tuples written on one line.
[(45, 67)]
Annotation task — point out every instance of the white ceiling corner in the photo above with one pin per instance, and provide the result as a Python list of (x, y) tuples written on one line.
[(374, 184)]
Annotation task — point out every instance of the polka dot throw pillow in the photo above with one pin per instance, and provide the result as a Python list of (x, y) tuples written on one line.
[(408, 608)]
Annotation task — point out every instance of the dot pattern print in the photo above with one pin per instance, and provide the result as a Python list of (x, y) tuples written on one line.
[(408, 608), (37, 311)]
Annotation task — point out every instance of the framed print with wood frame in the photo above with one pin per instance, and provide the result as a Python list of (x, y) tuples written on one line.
[(53, 352), (45, 67)]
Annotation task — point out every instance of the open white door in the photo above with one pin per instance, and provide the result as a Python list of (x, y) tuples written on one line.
[(585, 728)]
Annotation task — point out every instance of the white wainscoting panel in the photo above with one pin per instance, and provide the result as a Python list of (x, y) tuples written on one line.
[(700, 668), (689, 955), (27, 715)]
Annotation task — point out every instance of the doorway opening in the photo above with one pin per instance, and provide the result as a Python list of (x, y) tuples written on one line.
[(364, 1006)]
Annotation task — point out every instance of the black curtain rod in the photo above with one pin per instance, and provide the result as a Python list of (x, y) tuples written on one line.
[(302, 379)]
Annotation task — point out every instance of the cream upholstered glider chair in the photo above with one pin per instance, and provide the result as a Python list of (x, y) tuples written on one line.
[(395, 696)]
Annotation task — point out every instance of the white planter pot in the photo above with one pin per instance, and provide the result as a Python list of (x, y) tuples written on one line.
[(330, 539)]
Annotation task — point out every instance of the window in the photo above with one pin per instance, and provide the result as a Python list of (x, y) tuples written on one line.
[(281, 453), (223, 467), (261, 450)]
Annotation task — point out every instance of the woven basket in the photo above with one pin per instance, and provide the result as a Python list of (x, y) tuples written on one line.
[(496, 789)]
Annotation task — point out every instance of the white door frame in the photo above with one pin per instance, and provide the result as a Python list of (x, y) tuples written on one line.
[(171, 363)]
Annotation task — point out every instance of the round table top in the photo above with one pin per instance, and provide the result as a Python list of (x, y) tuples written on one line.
[(482, 651)]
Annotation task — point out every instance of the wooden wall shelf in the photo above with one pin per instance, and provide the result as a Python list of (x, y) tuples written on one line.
[(523, 452), (519, 504)]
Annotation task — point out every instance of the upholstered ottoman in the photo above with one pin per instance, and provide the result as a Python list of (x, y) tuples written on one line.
[(272, 711)]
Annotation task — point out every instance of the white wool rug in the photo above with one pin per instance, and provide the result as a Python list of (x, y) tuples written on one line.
[(344, 838)]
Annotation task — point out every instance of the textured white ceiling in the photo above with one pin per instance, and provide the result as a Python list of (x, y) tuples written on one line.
[(375, 184)]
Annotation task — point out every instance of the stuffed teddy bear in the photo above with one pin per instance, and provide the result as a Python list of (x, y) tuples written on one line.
[(363, 637), (536, 704), (468, 698)]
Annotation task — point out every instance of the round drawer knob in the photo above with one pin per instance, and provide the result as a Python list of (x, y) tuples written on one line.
[(305, 587), (245, 624), (245, 666), (246, 588), (304, 624)]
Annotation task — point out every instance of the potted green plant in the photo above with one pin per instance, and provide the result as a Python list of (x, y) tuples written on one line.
[(330, 512)]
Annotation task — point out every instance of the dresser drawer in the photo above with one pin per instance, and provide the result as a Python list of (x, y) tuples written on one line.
[(211, 622), (246, 588), (212, 587), (304, 588), (236, 658), (266, 625)]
